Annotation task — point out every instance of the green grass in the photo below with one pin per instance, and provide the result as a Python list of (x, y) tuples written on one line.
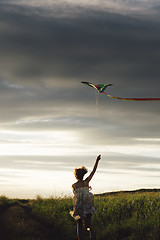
[(128, 216)]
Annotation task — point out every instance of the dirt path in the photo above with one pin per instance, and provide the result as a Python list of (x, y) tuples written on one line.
[(17, 223)]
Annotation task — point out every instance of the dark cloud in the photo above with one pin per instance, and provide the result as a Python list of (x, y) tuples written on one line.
[(98, 45)]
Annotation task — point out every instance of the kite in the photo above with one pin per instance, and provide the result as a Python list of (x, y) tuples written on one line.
[(101, 88)]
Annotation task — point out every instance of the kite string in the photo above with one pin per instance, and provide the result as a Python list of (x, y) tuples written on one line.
[(97, 100)]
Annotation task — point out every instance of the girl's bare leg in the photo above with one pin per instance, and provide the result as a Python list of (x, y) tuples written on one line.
[(80, 229), (87, 221)]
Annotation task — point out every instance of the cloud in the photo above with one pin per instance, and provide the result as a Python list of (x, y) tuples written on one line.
[(65, 8), (62, 51), (45, 57)]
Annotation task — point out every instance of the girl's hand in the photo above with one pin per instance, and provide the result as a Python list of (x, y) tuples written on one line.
[(99, 157)]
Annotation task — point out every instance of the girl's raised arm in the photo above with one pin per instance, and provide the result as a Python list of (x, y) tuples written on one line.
[(94, 169)]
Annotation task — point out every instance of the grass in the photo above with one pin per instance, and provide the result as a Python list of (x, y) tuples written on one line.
[(123, 215)]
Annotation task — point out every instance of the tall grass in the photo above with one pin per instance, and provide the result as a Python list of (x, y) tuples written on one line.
[(122, 216), (55, 212), (128, 216)]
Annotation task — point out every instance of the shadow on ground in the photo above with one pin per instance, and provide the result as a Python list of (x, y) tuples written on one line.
[(17, 223)]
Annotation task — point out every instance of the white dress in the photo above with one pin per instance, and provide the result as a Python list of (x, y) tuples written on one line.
[(83, 203)]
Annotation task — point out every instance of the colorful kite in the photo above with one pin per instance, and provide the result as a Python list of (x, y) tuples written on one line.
[(102, 87)]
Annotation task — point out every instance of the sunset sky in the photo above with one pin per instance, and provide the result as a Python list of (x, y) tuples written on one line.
[(50, 122)]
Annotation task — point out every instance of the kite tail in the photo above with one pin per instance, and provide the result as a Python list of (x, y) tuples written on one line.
[(133, 99)]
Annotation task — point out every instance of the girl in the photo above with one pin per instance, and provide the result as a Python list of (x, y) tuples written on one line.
[(83, 200)]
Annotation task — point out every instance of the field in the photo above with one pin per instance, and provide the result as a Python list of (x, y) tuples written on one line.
[(122, 215)]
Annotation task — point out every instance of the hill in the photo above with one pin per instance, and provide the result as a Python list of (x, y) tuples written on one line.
[(143, 190)]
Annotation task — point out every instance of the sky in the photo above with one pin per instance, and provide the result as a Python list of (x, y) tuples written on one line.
[(50, 122)]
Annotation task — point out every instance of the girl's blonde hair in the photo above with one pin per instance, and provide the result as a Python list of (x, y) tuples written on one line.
[(80, 172)]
